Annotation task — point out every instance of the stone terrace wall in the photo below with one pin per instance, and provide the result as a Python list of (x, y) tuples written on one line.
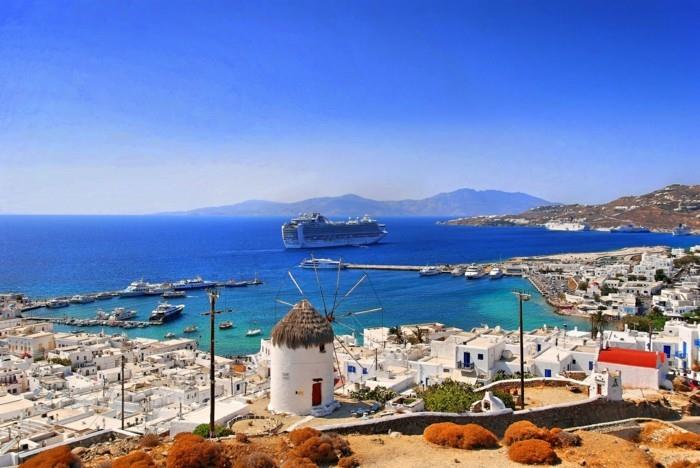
[(582, 413), (514, 384)]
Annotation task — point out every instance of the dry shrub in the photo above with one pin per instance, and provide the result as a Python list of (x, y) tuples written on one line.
[(684, 464), (241, 437), (298, 436), (256, 460), (469, 436), (59, 457), (192, 451), (320, 449), (348, 462), (563, 438), (687, 440), (525, 430), (295, 462), (149, 440), (533, 452), (136, 459)]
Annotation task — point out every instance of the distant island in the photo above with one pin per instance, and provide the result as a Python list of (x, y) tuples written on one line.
[(661, 210), (463, 202)]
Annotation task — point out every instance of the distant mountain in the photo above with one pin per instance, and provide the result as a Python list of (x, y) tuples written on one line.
[(463, 202), (661, 210)]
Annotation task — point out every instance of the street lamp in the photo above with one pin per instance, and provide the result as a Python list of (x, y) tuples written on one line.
[(522, 297)]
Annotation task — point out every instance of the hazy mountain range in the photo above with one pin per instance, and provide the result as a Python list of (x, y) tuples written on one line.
[(463, 202)]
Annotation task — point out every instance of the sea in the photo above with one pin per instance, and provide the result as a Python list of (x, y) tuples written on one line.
[(49, 256)]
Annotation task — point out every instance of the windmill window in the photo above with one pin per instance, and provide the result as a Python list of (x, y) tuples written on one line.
[(365, 371), (351, 369)]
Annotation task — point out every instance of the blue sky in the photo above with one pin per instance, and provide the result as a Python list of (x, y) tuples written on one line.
[(142, 106)]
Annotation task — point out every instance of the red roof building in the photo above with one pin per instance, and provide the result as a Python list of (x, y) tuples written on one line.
[(631, 357)]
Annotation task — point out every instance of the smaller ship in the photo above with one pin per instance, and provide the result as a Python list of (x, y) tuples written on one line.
[(225, 325), (194, 283), (57, 303), (135, 289), (681, 230), (474, 272), (235, 284), (253, 332), (191, 329), (103, 296), (78, 299), (570, 226), (495, 273), (170, 336), (429, 271), (120, 314), (172, 294), (457, 271), (629, 229), (165, 312), (322, 264), (255, 281)]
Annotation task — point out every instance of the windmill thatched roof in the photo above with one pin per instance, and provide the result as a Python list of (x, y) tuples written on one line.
[(303, 326)]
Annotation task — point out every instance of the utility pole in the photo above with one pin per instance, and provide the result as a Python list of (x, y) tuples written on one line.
[(522, 297), (213, 296), (123, 378)]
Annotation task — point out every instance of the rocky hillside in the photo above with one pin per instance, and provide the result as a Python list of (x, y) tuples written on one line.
[(661, 210)]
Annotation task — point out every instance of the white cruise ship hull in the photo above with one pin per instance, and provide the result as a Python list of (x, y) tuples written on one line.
[(338, 242)]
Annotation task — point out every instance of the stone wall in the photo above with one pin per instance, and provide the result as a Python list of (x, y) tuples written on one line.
[(581, 413), (514, 384)]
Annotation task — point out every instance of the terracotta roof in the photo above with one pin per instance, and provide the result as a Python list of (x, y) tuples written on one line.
[(303, 326), (631, 357)]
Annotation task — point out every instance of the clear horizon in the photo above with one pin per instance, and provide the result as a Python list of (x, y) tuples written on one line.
[(132, 107)]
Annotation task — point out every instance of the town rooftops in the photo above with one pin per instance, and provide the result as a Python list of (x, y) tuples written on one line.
[(631, 357)]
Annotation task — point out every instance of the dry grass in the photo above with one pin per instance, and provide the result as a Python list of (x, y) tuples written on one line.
[(299, 436), (299, 463), (684, 464), (256, 460), (469, 436), (686, 440), (242, 438), (525, 430), (136, 459), (59, 457), (192, 451), (348, 462), (149, 440), (533, 452)]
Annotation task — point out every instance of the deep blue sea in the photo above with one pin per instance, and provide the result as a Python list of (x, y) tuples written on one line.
[(46, 256)]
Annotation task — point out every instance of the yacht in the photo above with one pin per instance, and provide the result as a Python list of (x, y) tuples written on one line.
[(682, 230), (172, 293), (136, 288), (316, 231), (495, 273), (103, 296), (57, 303), (170, 336), (429, 271), (322, 263), (78, 299), (566, 226), (191, 329), (194, 283), (629, 228), (120, 313), (457, 271), (225, 325), (253, 332), (165, 312), (474, 272), (235, 284)]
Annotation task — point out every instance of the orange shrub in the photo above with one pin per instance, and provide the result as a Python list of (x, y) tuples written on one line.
[(192, 451), (295, 462), (469, 436), (59, 457), (241, 437), (298, 436), (562, 438), (256, 460), (533, 452), (136, 459), (524, 430), (149, 440), (348, 462), (684, 464), (687, 440)]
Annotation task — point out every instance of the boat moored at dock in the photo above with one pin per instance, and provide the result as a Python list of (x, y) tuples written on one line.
[(57, 303), (165, 312), (495, 273), (474, 272), (194, 283), (80, 299), (322, 264), (173, 294), (429, 271), (225, 325), (682, 230)]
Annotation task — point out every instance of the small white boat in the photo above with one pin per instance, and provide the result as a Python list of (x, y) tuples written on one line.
[(57, 303), (495, 273), (253, 332), (474, 272), (172, 293), (78, 299), (322, 263), (225, 325), (457, 271), (121, 314), (429, 271), (191, 329), (170, 336)]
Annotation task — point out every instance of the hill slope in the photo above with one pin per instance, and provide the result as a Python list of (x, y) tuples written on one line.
[(463, 202)]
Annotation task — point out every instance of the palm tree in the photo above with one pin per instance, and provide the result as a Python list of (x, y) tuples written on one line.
[(598, 323)]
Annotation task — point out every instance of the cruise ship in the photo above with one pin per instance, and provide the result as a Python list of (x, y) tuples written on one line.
[(629, 228), (316, 231), (165, 312), (566, 226)]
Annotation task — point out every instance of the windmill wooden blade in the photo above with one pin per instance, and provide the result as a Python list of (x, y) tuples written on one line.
[(361, 312), (345, 296), (284, 302), (295, 282)]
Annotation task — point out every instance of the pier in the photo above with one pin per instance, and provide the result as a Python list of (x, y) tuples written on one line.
[(360, 266), (95, 322)]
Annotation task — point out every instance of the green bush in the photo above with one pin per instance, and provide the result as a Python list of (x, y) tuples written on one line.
[(380, 394), (456, 397), (203, 431)]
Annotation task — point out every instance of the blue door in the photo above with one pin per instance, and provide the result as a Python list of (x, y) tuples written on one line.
[(467, 359), (667, 350), (548, 372)]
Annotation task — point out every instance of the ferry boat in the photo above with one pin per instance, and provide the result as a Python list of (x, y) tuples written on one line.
[(135, 289), (566, 226), (235, 284), (78, 299), (474, 272), (165, 312), (194, 283), (225, 325), (495, 273), (322, 264), (316, 231), (629, 229), (429, 271), (254, 282), (681, 230), (57, 303), (172, 293)]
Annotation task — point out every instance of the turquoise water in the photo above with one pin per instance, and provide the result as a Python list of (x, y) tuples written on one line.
[(63, 255)]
